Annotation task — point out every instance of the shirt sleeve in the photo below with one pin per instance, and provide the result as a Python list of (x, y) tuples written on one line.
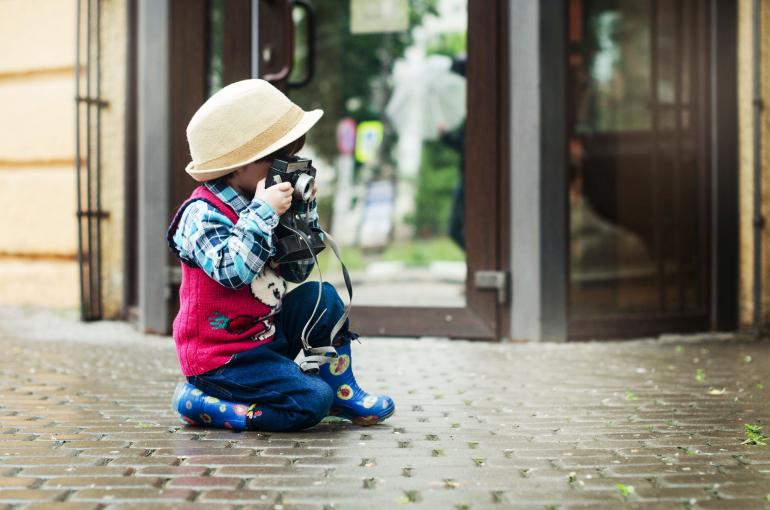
[(297, 272), (231, 254)]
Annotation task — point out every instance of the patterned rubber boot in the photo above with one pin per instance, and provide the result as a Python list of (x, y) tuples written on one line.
[(197, 408), (350, 401)]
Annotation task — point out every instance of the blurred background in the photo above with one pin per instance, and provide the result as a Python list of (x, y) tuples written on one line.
[(502, 169)]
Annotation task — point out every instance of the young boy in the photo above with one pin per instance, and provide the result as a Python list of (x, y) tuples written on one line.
[(238, 332)]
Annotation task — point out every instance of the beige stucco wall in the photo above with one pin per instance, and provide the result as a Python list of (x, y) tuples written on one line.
[(37, 181), (114, 36), (37, 152), (746, 155), (37, 34)]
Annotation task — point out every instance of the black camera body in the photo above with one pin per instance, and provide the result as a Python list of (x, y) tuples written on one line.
[(298, 172), (293, 237)]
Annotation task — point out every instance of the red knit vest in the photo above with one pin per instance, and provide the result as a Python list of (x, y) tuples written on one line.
[(214, 322)]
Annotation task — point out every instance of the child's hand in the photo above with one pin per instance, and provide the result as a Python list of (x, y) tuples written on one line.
[(278, 195)]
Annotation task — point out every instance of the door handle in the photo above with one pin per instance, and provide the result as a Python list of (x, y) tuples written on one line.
[(499, 281), (310, 18)]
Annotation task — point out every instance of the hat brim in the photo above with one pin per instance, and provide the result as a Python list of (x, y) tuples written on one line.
[(308, 120)]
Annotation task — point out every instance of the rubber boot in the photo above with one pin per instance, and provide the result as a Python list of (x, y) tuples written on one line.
[(197, 408), (350, 401)]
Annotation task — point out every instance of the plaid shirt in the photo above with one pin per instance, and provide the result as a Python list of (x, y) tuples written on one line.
[(234, 255)]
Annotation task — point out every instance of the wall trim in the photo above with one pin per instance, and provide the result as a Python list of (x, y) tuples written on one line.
[(538, 171), (153, 146)]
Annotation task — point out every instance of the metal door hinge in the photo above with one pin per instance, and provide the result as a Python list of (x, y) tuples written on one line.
[(493, 280)]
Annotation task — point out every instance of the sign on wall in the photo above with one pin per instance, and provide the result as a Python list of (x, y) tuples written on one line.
[(368, 140), (373, 16)]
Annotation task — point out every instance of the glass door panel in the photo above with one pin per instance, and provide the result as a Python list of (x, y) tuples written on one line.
[(637, 189), (390, 77), (391, 148)]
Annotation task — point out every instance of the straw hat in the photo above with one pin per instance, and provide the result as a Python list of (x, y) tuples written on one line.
[(245, 121)]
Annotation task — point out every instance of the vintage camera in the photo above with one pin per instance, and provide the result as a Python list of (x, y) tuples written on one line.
[(295, 170), (293, 237)]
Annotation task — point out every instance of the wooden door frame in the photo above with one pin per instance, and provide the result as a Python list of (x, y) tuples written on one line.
[(486, 211), (486, 196)]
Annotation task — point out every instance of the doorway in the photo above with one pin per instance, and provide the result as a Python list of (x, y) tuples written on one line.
[(416, 195), (641, 167)]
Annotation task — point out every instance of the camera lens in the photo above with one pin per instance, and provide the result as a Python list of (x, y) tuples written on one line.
[(303, 189)]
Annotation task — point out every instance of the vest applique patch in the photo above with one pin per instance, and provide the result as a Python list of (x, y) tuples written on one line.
[(235, 325), (269, 288)]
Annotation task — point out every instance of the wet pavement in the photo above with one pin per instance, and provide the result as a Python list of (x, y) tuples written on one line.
[(85, 423)]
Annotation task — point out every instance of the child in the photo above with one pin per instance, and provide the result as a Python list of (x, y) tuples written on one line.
[(237, 332)]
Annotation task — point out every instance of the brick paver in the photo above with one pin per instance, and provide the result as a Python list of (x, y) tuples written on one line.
[(85, 423)]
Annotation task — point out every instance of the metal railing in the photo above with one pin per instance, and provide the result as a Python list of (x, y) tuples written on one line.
[(758, 220), (88, 106)]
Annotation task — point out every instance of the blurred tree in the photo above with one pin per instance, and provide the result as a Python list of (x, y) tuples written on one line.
[(436, 182), (352, 70)]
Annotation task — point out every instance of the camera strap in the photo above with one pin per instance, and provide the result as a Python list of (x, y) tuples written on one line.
[(333, 244), (319, 355)]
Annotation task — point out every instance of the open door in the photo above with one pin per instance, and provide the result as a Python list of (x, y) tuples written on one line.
[(411, 165)]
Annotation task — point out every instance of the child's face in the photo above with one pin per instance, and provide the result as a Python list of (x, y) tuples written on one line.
[(245, 179)]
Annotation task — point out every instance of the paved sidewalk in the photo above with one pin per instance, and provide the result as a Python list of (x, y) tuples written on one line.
[(85, 423)]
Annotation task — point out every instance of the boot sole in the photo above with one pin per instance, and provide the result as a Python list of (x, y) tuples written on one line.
[(363, 421)]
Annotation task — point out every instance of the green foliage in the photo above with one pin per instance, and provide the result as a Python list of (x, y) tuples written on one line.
[(754, 435), (450, 44), (349, 66), (352, 256), (324, 207), (422, 253), (625, 490), (353, 78), (412, 253), (438, 177)]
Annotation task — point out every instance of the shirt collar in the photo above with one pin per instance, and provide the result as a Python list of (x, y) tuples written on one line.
[(227, 194)]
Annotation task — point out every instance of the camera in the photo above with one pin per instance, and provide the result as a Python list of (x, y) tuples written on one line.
[(294, 238), (297, 171)]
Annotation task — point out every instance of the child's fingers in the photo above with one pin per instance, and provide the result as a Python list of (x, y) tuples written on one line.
[(283, 186), (283, 195), (284, 206)]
